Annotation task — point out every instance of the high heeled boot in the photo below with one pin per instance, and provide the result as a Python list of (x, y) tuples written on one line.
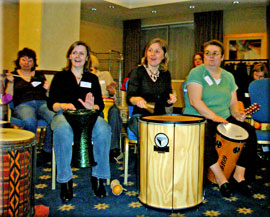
[(98, 187), (66, 191)]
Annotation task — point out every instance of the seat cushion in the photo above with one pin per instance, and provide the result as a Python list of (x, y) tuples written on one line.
[(263, 135)]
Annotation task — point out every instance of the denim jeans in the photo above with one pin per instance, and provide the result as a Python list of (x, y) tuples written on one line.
[(63, 139), (29, 112), (115, 122), (133, 123)]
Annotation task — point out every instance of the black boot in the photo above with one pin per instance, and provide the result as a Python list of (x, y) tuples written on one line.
[(98, 187), (66, 191)]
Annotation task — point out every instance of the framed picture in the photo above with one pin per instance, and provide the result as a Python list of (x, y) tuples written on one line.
[(245, 46)]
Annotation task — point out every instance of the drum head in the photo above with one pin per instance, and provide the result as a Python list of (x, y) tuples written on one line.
[(232, 131)]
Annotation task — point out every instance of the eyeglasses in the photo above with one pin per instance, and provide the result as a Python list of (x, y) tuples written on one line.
[(214, 54)]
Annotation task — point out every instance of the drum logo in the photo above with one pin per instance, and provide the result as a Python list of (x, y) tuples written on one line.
[(161, 143)]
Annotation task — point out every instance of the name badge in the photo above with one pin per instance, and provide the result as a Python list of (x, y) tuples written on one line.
[(208, 80), (35, 83), (85, 84), (247, 95), (102, 81)]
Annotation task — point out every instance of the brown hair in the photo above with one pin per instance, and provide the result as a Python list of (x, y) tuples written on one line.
[(216, 43), (198, 53)]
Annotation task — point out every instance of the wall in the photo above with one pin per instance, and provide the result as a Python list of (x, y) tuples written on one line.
[(102, 37), (10, 34)]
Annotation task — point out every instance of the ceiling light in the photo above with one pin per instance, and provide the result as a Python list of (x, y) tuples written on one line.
[(111, 6), (192, 6), (235, 2), (154, 11), (93, 9)]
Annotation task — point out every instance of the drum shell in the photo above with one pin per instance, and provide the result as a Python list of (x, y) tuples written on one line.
[(16, 172), (82, 122), (227, 158), (173, 179)]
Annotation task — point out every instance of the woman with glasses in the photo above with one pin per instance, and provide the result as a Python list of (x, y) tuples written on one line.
[(212, 94)]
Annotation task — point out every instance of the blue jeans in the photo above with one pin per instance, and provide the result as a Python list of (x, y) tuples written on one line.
[(30, 112), (63, 139), (115, 122), (133, 123)]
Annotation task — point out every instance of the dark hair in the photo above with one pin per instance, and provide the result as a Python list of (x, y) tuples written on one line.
[(198, 53), (164, 63), (28, 53), (87, 63), (259, 67), (216, 43)]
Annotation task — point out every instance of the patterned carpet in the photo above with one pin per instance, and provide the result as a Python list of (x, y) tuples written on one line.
[(85, 204)]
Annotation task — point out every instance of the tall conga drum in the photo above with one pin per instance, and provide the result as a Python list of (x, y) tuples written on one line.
[(82, 122), (16, 172), (230, 140), (171, 161)]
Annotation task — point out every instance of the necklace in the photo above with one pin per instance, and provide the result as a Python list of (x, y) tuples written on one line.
[(153, 75)]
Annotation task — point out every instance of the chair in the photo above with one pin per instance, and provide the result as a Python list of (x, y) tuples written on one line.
[(259, 91), (131, 138)]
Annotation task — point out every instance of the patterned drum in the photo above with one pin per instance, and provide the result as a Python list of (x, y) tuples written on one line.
[(171, 161), (16, 172)]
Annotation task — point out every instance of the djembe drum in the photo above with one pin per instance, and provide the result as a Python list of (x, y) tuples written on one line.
[(230, 140), (82, 122), (171, 161), (16, 172)]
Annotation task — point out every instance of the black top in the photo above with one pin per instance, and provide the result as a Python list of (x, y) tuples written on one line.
[(140, 84), (65, 89), (24, 91)]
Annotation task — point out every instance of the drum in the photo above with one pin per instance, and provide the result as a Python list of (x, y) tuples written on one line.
[(171, 161), (230, 140), (16, 172), (82, 122)]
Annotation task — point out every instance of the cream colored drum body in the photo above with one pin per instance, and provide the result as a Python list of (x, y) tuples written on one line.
[(171, 161)]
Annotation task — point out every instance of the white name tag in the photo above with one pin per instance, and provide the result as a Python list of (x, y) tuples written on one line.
[(35, 83), (246, 94), (85, 84), (208, 80), (102, 81)]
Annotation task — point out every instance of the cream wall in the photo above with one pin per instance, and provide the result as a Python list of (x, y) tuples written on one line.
[(10, 34), (102, 37)]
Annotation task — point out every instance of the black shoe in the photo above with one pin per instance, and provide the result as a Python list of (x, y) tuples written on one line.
[(66, 191), (98, 187), (225, 190), (241, 187)]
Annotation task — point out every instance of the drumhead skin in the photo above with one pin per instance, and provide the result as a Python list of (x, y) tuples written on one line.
[(232, 132), (173, 119), (9, 135)]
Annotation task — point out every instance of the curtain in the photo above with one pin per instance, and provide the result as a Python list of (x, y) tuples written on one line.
[(207, 26), (131, 45)]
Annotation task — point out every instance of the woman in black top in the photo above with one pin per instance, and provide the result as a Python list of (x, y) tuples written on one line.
[(150, 83), (28, 88)]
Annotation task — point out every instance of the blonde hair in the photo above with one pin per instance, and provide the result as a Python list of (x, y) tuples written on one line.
[(95, 62)]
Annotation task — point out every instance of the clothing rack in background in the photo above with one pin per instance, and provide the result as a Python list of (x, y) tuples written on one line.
[(249, 63)]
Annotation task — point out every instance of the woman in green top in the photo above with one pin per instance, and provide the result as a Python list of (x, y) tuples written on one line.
[(212, 94)]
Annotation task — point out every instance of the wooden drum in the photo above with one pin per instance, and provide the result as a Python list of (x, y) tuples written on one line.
[(230, 140), (171, 161), (82, 122), (16, 172)]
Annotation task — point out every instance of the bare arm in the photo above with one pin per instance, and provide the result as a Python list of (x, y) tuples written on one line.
[(10, 84), (235, 109), (195, 100)]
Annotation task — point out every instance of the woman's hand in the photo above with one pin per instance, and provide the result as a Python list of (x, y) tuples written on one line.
[(172, 99), (10, 77), (67, 106), (88, 103), (240, 116), (138, 101), (219, 119)]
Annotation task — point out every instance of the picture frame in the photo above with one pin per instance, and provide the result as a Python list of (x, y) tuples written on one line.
[(245, 46)]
